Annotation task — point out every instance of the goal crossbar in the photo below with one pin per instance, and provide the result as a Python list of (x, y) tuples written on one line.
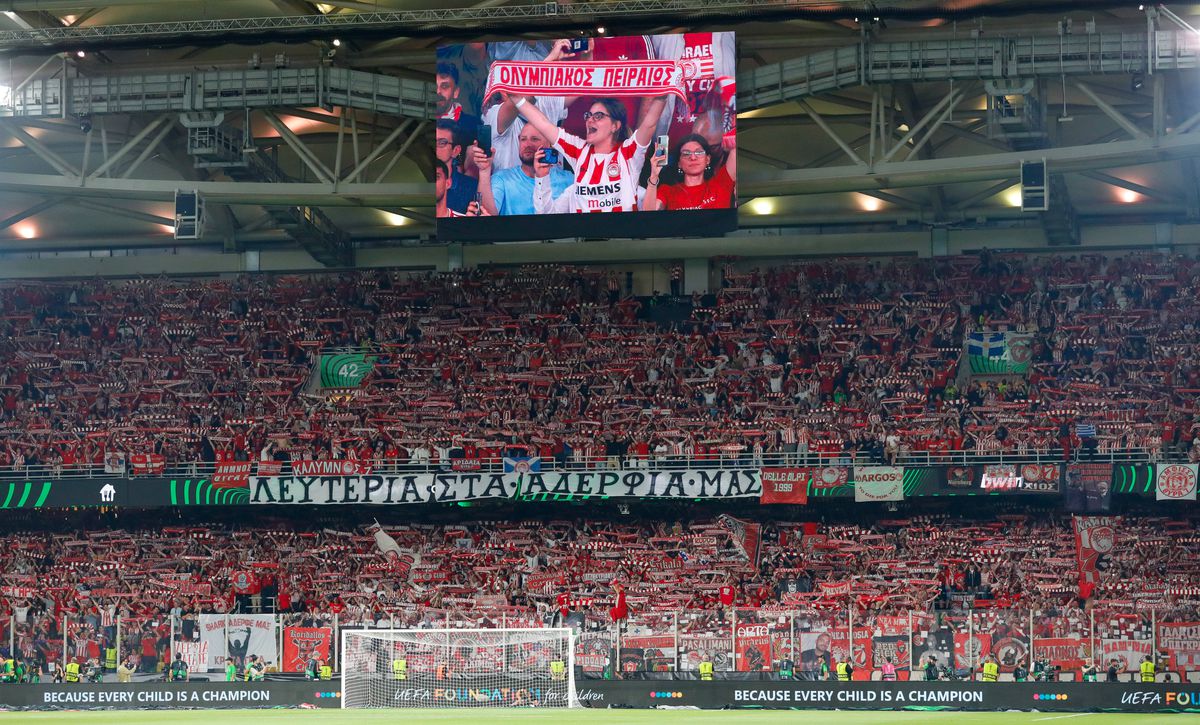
[(381, 668)]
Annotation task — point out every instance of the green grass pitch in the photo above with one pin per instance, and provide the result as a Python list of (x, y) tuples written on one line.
[(584, 717)]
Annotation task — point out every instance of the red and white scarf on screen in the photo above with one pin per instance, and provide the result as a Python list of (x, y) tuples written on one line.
[(615, 78)]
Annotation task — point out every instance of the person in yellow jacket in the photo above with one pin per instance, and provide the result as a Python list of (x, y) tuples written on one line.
[(558, 670), (844, 671), (991, 669), (1147, 669), (72, 672), (325, 671), (400, 669), (706, 669)]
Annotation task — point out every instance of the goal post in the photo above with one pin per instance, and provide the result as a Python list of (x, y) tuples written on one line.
[(383, 668)]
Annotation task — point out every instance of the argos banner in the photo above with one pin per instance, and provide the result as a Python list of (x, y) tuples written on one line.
[(878, 483)]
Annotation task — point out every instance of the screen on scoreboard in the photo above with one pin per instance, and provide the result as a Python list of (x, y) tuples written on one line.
[(638, 132)]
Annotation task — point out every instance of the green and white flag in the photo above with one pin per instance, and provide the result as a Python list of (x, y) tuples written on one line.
[(345, 370)]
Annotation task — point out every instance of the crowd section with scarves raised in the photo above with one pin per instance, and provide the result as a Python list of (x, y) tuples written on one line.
[(658, 592), (841, 359)]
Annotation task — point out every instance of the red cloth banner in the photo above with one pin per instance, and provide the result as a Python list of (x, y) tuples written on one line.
[(232, 474), (747, 537), (1066, 652), (1095, 539), (299, 643), (785, 485), (1182, 641), (144, 464), (753, 648)]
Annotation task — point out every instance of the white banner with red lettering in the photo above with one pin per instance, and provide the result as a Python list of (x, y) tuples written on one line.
[(1175, 481), (238, 636)]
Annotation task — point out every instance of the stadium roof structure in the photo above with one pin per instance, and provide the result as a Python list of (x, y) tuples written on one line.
[(852, 115)]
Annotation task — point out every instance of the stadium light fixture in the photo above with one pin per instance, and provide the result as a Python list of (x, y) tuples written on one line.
[(1012, 196), (80, 54), (337, 42), (762, 206), (395, 220), (601, 30), (869, 203), (1128, 196), (26, 230)]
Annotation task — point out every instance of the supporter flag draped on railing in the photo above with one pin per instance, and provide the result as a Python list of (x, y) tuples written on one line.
[(746, 536), (1095, 539)]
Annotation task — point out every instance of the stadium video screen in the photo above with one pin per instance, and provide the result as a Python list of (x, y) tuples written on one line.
[(637, 132)]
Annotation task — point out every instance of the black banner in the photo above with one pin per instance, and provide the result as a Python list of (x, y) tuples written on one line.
[(1032, 696), (170, 696)]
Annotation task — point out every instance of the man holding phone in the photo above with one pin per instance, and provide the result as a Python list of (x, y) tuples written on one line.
[(510, 191), (449, 145)]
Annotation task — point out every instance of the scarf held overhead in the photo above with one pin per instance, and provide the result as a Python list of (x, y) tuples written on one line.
[(618, 79)]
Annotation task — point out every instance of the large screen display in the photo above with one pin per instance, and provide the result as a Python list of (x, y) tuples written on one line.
[(638, 132)]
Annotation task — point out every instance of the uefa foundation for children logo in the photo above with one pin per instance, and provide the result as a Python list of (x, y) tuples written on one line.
[(1050, 696), (665, 695)]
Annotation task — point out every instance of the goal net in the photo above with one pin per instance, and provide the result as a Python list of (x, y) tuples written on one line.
[(458, 668)]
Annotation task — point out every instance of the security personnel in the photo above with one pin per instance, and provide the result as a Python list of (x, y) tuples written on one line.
[(889, 670), (110, 659), (399, 669), (1147, 669), (991, 669), (558, 670), (787, 669), (326, 671), (844, 671), (72, 671), (706, 669)]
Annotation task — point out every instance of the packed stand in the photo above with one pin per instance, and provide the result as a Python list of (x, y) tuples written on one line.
[(695, 572), (836, 359)]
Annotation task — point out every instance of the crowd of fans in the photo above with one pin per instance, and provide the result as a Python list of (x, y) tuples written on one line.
[(1015, 571), (843, 357)]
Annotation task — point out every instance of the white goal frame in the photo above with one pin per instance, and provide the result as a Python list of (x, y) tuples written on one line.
[(565, 633)]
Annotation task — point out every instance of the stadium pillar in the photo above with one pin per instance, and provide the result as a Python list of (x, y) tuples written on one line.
[(695, 275), (850, 630), (1091, 634), (910, 649), (66, 620), (675, 634), (792, 637), (1031, 639), (971, 640), (733, 637)]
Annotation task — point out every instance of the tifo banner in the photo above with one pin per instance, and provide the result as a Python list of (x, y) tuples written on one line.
[(785, 485), (878, 483), (450, 487), (1175, 481), (1127, 652), (1095, 539), (1181, 640), (195, 654), (299, 643), (999, 353), (753, 648), (237, 636), (616, 79), (346, 370), (747, 537), (231, 474), (1066, 652), (523, 464), (330, 468), (1088, 488), (147, 464)]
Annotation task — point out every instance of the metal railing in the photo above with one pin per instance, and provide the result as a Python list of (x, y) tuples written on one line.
[(206, 469), (1056, 641)]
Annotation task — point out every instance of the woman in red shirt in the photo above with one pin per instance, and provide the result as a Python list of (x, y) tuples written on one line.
[(700, 187)]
